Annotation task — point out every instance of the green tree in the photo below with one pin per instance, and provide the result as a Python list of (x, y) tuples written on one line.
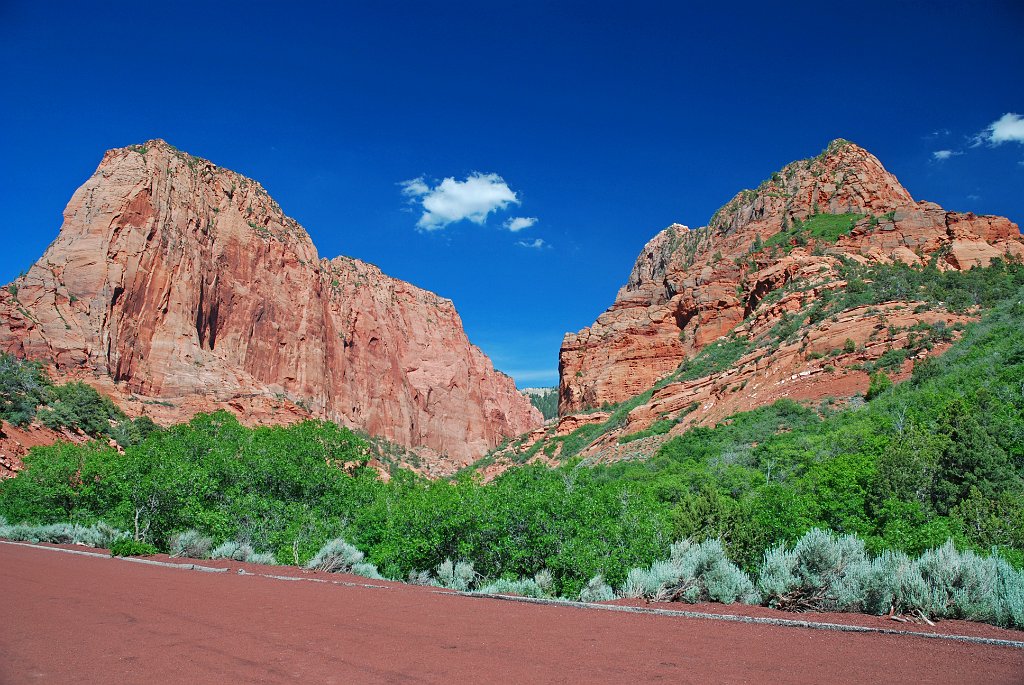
[(23, 387), (878, 384)]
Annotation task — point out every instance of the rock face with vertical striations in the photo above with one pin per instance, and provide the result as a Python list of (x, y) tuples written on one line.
[(688, 288), (182, 286)]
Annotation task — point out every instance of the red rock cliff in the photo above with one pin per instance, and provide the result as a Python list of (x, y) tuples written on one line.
[(178, 280), (690, 287)]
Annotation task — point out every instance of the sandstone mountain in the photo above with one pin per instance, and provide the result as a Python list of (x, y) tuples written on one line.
[(178, 286), (753, 307)]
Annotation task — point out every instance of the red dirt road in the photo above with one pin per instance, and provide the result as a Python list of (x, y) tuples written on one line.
[(67, 618)]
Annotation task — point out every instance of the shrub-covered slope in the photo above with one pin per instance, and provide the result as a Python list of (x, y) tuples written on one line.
[(760, 304), (810, 340)]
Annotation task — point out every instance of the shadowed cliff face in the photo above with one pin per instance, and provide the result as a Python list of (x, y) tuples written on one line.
[(177, 281), (690, 287)]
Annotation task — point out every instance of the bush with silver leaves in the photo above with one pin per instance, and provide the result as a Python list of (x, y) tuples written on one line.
[(597, 590), (338, 556), (456, 575), (191, 544), (822, 572), (694, 572)]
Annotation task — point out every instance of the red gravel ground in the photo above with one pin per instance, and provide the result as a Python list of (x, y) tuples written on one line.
[(68, 618)]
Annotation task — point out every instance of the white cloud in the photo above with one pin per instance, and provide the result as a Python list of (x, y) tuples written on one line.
[(1008, 128), (451, 201), (518, 223), (945, 154), (415, 187), (534, 244)]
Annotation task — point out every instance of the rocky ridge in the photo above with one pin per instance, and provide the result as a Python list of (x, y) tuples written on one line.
[(690, 287), (748, 309), (177, 286)]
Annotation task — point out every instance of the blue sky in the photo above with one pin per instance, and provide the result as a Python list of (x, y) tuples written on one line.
[(604, 122)]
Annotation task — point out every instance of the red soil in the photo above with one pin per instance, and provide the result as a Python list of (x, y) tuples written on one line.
[(72, 618)]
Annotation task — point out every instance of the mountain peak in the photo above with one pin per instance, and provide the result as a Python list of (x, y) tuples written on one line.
[(843, 178), (158, 142), (689, 288)]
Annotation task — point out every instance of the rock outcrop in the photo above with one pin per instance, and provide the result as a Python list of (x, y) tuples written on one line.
[(16, 441), (690, 287), (182, 286)]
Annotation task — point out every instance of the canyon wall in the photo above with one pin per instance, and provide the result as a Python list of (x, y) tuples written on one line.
[(180, 286)]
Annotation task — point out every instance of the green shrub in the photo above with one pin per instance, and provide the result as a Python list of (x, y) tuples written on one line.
[(1009, 596), (892, 360), (420, 578), (263, 558), (711, 359), (126, 547), (822, 228), (57, 533), (23, 387), (829, 227), (21, 532), (649, 582), (98, 534), (546, 402), (878, 384), (233, 550), (583, 436), (947, 583), (128, 432), (545, 581), (77, 405), (960, 584), (659, 427)]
